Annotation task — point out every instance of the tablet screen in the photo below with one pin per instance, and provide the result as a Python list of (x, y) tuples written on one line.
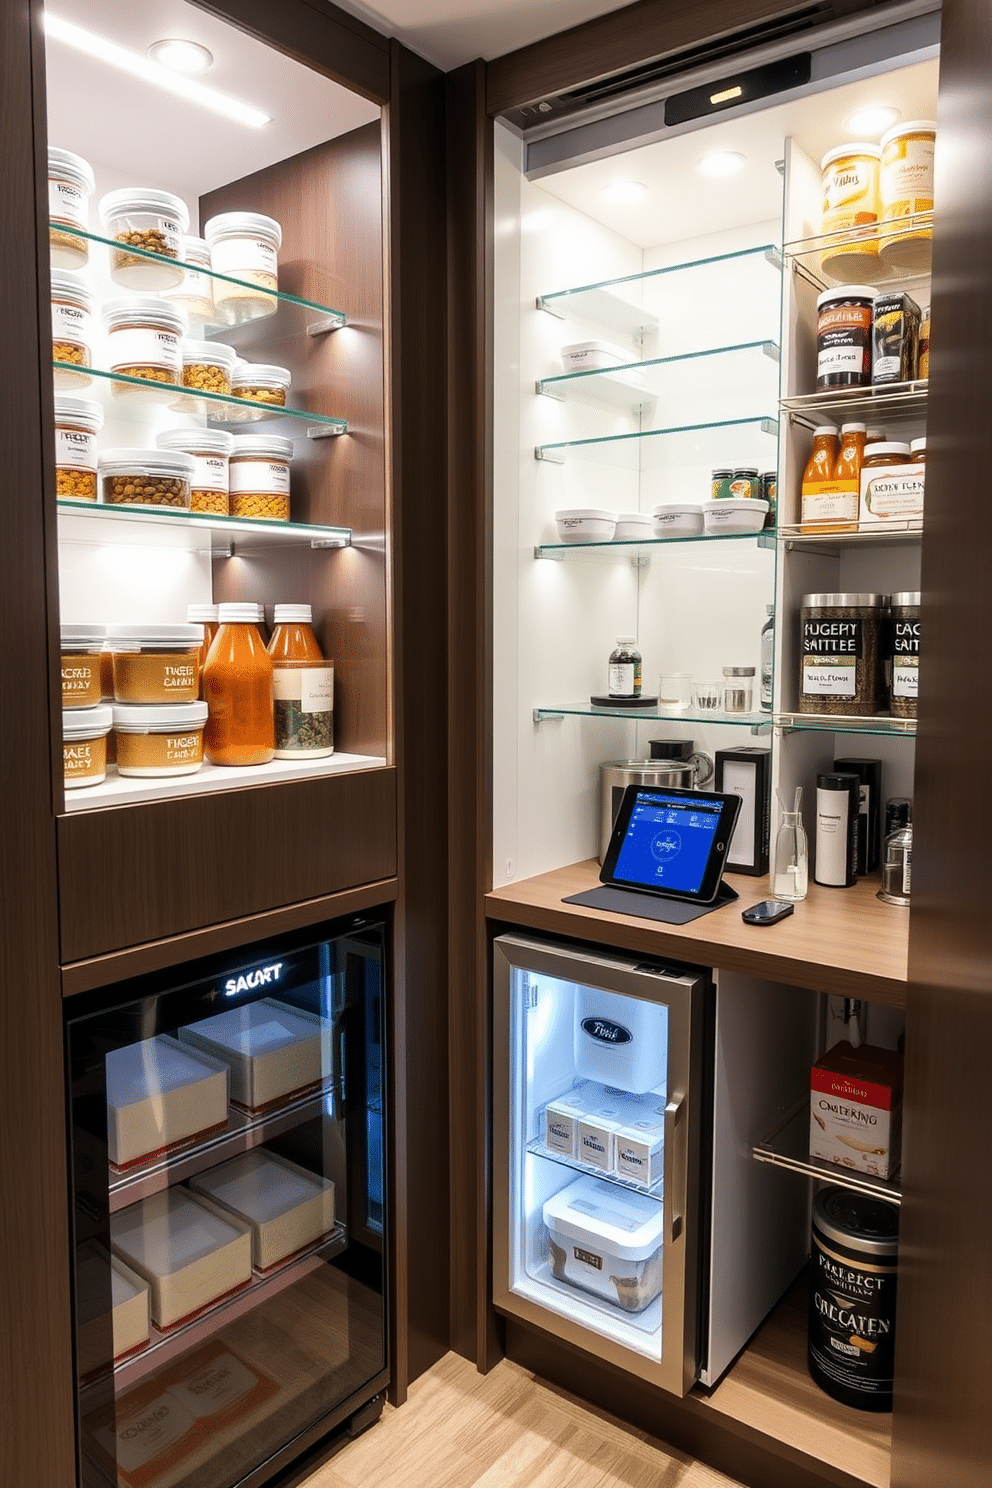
[(672, 842)]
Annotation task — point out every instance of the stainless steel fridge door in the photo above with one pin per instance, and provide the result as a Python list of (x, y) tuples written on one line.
[(597, 1112)]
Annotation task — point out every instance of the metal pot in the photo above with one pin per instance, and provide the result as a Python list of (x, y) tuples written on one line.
[(616, 775)]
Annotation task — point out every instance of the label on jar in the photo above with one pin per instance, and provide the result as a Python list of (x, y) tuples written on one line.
[(892, 491), (829, 501), (75, 449), (833, 637), (905, 677), (843, 342), (67, 203), (311, 687), (850, 193), (907, 177), (83, 759), (181, 749), (621, 679), (266, 477), (209, 473), (242, 256), (834, 678), (852, 1321), (145, 346), (71, 323), (746, 488)]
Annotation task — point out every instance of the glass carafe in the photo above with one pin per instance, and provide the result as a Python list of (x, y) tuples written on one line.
[(790, 865)]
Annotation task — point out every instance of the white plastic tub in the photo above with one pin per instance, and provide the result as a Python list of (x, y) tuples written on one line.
[(734, 515), (190, 1255), (160, 1093), (245, 246), (272, 1050), (633, 527), (153, 221), (286, 1206), (72, 329), (585, 524), (144, 339), (84, 745), (620, 1041), (680, 519), (588, 356), (606, 1240), (70, 186), (162, 739)]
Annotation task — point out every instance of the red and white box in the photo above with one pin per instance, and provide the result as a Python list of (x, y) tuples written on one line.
[(856, 1109)]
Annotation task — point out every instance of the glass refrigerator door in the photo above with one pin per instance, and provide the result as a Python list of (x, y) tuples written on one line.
[(596, 1177), (227, 1147)]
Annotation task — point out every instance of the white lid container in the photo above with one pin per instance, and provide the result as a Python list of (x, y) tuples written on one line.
[(244, 246), (581, 524), (132, 310), (207, 613), (839, 152), (606, 1240), (72, 301), (80, 413), (736, 514), (153, 221), (74, 288), (194, 294), (154, 637), (190, 1254), (287, 1206), (288, 614), (273, 1050), (97, 1274), (158, 1093), (261, 374), (63, 165), (211, 353), (228, 225), (196, 441), (261, 446), (587, 355), (677, 519), (82, 637), (146, 477), (144, 340), (87, 723), (631, 526), (158, 718), (70, 186), (620, 1041)]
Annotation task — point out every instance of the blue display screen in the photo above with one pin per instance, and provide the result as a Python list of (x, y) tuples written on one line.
[(668, 841)]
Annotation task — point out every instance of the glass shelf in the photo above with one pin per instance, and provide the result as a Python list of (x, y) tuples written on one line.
[(610, 306), (765, 539), (738, 439), (788, 1147), (903, 402), (320, 318), (631, 385), (879, 534), (538, 1149), (87, 522), (881, 725), (758, 723), (807, 254), (219, 408)]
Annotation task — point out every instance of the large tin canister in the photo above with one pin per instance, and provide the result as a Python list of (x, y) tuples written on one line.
[(852, 1297)]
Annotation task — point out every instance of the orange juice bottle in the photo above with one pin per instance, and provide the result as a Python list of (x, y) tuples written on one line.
[(237, 689), (823, 455), (205, 615), (851, 453)]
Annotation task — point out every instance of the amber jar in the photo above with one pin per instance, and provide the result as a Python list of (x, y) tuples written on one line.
[(205, 615), (302, 687), (885, 454), (237, 689), (81, 648)]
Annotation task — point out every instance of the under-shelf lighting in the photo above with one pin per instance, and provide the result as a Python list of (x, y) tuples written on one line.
[(625, 193), (872, 121), (722, 163), (148, 71), (187, 57)]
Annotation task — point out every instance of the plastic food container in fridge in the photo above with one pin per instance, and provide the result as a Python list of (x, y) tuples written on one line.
[(160, 739), (632, 527), (244, 246), (210, 450), (189, 1254), (144, 340), (678, 519), (70, 186), (272, 1050), (259, 477), (152, 221), (72, 329), (155, 663), (739, 514), (160, 1093), (287, 1207), (606, 1240), (257, 382)]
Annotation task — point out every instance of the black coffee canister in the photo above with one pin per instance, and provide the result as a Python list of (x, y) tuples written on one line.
[(852, 1297)]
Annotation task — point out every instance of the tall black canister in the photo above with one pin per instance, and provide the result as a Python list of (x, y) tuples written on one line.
[(852, 1297)]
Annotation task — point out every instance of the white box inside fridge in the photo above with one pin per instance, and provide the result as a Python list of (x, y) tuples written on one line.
[(96, 1272), (160, 1093), (189, 1254), (286, 1206), (606, 1240), (619, 1040), (273, 1050)]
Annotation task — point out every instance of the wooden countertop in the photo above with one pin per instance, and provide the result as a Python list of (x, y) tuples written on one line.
[(842, 941)]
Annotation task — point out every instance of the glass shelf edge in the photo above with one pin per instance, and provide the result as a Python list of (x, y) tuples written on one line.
[(758, 723), (775, 1150), (881, 725), (537, 1149), (207, 522), (557, 453), (557, 551), (182, 395), (768, 347), (771, 251)]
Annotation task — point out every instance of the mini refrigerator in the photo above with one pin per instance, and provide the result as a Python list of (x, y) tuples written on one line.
[(227, 1130), (630, 1217)]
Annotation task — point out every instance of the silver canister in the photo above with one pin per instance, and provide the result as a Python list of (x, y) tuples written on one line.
[(616, 775)]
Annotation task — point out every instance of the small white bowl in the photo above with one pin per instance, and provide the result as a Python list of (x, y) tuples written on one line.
[(633, 527), (734, 515), (680, 519), (588, 356), (581, 524)]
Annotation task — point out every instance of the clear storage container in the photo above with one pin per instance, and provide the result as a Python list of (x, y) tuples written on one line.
[(144, 339), (606, 1240), (159, 739), (146, 477), (70, 186), (207, 368), (155, 663), (84, 745), (262, 384), (72, 329), (153, 221), (77, 423), (259, 473), (244, 246), (210, 450), (194, 295), (302, 686), (81, 647)]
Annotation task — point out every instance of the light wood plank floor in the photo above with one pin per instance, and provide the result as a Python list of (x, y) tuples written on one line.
[(461, 1429)]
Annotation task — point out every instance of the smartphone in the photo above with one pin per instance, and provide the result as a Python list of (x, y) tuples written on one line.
[(768, 912)]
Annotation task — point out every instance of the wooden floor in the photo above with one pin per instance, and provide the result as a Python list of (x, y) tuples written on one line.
[(461, 1429)]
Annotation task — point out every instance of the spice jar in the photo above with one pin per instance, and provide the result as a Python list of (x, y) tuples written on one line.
[(906, 192), (194, 295), (81, 646), (70, 186), (850, 211), (259, 475), (885, 453), (852, 1297), (923, 364), (204, 615), (77, 423), (738, 686), (237, 688), (302, 686), (843, 336), (84, 745), (155, 663), (903, 658), (720, 484), (244, 246), (153, 221), (210, 450), (143, 477), (207, 368), (164, 740), (144, 339), (745, 484), (625, 669), (918, 451), (72, 329), (259, 383), (840, 668)]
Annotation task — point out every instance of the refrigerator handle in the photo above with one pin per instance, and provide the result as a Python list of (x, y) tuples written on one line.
[(675, 1168)]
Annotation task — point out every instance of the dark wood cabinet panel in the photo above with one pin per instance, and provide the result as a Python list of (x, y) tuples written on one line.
[(318, 34)]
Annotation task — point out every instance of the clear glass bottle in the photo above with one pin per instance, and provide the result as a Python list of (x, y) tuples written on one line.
[(790, 865), (625, 669), (302, 686), (767, 660), (897, 865)]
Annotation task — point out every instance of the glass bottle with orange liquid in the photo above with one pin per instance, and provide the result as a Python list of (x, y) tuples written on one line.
[(237, 688)]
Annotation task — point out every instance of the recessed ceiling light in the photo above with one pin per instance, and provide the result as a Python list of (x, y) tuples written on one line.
[(625, 193), (722, 163), (187, 57), (873, 120), (151, 72)]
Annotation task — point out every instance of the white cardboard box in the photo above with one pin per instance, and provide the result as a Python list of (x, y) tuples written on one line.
[(190, 1254), (273, 1050), (160, 1093), (286, 1206), (99, 1275), (856, 1109), (639, 1148)]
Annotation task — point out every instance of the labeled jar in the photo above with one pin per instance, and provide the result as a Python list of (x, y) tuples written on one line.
[(903, 658), (144, 339), (257, 382), (146, 477), (84, 745), (155, 663), (840, 654), (302, 686), (194, 295), (153, 221), (259, 475), (918, 451), (77, 423), (70, 186), (81, 648), (906, 195), (769, 494), (244, 246), (850, 211), (72, 329), (720, 484), (625, 669), (852, 1297), (923, 363), (745, 484), (843, 336), (738, 689), (204, 615), (163, 740), (237, 688), (767, 661), (897, 865), (207, 368), (210, 451), (886, 453)]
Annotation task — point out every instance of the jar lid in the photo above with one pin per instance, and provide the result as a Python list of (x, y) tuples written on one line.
[(214, 352), (272, 445), (196, 441), (573, 512), (242, 225), (203, 612), (882, 448), (719, 474), (146, 462), (738, 671), (261, 372), (83, 635), (844, 601), (156, 635), (196, 250), (912, 126), (769, 475), (854, 428), (143, 199), (874, 436), (849, 1218), (841, 151), (677, 506), (905, 597), (69, 167), (917, 444), (288, 613), (238, 613), (626, 640), (78, 411), (825, 429), (846, 292), (87, 723), (746, 470), (69, 286), (160, 718), (144, 310)]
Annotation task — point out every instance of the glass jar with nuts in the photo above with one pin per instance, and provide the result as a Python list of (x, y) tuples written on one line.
[(263, 385), (146, 477), (77, 423), (153, 221), (70, 186), (72, 329), (144, 339), (244, 246), (207, 367), (211, 450), (260, 477), (195, 295)]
